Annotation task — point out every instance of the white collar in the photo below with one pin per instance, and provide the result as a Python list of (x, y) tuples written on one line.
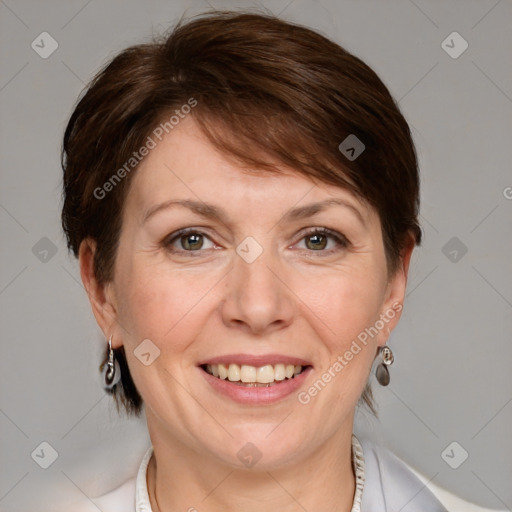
[(142, 503)]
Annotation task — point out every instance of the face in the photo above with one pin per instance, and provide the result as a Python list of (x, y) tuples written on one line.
[(267, 285)]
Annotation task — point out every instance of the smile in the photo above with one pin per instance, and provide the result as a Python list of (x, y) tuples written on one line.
[(254, 376), (257, 380)]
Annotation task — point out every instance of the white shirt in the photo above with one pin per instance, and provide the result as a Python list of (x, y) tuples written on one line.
[(384, 483)]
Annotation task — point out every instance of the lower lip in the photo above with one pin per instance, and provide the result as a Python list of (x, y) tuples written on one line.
[(257, 395)]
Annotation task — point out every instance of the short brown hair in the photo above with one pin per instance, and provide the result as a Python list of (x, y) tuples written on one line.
[(266, 91)]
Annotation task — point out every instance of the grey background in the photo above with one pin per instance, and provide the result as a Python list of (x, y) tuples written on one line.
[(451, 380)]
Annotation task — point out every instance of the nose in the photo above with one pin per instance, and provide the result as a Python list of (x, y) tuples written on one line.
[(258, 298)]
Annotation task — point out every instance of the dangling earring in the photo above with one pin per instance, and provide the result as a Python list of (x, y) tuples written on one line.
[(111, 371), (382, 372)]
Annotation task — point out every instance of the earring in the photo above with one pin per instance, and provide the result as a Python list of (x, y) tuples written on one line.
[(111, 371), (382, 372)]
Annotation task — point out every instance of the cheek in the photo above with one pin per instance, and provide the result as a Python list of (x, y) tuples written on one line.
[(342, 308), (350, 308), (161, 306), (345, 304)]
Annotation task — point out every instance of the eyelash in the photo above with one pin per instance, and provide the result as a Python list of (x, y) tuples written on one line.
[(340, 239)]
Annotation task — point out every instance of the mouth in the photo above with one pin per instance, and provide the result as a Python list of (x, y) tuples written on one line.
[(248, 376)]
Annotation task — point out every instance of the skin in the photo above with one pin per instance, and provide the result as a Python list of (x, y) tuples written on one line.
[(295, 299)]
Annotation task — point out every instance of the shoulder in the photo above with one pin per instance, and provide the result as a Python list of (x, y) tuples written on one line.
[(120, 499), (132, 495), (391, 484)]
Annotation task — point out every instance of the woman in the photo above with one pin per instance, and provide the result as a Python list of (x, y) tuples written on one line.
[(243, 200)]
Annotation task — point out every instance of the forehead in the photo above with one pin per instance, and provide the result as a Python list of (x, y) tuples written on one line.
[(185, 164)]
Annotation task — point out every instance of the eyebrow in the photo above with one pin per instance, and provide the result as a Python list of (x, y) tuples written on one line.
[(214, 212)]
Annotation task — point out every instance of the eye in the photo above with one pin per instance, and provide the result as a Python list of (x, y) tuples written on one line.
[(316, 240), (189, 239)]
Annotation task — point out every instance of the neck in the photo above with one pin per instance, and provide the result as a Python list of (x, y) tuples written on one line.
[(179, 478)]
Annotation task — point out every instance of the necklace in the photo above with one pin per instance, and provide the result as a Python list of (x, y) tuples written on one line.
[(151, 483), (357, 465)]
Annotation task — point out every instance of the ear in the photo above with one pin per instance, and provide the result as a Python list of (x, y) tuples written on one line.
[(395, 294), (101, 296)]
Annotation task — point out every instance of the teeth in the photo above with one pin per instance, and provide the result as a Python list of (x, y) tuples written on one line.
[(223, 371), (265, 374), (251, 374), (279, 372), (234, 373), (248, 373)]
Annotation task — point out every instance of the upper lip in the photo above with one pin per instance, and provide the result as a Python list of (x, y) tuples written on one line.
[(256, 360)]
